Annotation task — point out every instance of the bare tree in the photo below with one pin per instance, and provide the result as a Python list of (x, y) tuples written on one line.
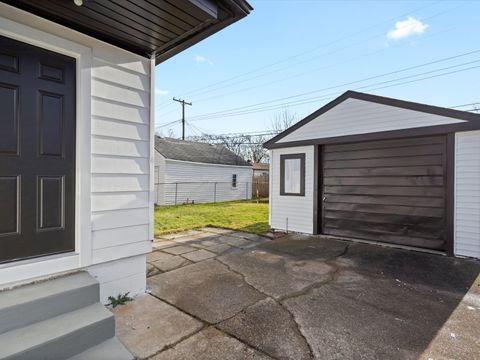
[(282, 120), (249, 147)]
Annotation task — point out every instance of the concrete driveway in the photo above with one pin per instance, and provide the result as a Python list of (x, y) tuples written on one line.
[(305, 297)]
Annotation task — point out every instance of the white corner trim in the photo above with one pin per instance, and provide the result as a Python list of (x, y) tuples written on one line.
[(151, 198), (83, 237)]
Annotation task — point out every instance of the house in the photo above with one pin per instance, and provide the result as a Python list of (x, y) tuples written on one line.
[(383, 170), (194, 172), (76, 158), (261, 169)]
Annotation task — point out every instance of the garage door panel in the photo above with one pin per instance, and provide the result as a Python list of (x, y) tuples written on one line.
[(386, 209), (387, 181), (415, 222), (386, 190), (385, 162), (386, 171), (386, 228), (389, 190), (383, 153), (388, 200), (386, 144), (393, 239)]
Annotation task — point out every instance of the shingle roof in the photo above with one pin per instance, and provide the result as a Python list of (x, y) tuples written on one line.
[(261, 166), (197, 152)]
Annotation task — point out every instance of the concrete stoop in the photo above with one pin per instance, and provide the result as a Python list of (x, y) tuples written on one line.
[(60, 318)]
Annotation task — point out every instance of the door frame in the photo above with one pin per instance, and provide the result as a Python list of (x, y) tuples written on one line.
[(26, 270)]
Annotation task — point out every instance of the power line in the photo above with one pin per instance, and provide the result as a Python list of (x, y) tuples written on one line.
[(353, 82), (167, 124), (254, 108), (321, 46)]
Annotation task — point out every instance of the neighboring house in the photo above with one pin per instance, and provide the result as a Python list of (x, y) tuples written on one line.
[(76, 156), (187, 171), (261, 169), (380, 169)]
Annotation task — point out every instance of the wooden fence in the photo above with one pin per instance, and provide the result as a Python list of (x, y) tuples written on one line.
[(260, 186)]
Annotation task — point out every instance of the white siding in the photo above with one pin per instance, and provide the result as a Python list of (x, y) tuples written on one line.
[(120, 276), (292, 213), (196, 182), (467, 194), (120, 154), (355, 116)]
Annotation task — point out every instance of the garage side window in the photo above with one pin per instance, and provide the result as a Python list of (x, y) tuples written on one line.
[(234, 181), (292, 174)]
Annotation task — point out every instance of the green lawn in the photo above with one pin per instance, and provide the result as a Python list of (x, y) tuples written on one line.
[(248, 216)]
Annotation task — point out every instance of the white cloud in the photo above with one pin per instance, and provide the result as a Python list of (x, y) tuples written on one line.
[(203, 59), (161, 92), (406, 28)]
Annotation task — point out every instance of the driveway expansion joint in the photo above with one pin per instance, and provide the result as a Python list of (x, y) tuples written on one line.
[(278, 302)]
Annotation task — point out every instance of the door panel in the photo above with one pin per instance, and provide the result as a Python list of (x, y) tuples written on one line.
[(37, 151), (9, 116), (389, 190)]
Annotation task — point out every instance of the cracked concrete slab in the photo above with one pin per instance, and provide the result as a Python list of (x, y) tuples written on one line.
[(420, 269), (359, 317), (219, 248), (161, 244), (210, 344), (306, 247), (266, 325), (152, 270), (147, 325), (277, 275), (207, 290), (235, 241), (167, 262), (179, 250), (199, 255)]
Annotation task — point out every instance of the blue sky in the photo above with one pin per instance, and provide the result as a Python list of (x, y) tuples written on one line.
[(286, 48)]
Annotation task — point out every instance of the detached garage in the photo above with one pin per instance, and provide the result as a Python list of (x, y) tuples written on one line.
[(379, 169)]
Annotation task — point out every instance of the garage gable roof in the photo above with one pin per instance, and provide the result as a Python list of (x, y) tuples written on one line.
[(192, 151), (403, 118)]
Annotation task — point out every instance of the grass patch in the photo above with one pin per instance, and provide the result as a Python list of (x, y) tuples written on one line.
[(248, 216)]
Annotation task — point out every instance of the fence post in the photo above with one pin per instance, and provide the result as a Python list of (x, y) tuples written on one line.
[(176, 189), (246, 190), (215, 192)]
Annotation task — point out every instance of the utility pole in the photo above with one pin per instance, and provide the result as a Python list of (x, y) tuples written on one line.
[(183, 102)]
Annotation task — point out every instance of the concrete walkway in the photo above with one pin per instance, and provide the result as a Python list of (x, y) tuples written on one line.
[(301, 298)]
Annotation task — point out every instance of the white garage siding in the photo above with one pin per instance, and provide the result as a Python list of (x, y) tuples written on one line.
[(354, 116), (292, 213), (467, 194), (196, 182)]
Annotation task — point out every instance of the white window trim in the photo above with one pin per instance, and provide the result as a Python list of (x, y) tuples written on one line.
[(24, 270)]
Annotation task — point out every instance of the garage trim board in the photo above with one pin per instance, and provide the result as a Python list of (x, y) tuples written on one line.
[(386, 172)]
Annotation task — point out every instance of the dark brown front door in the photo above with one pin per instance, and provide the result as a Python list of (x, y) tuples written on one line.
[(37, 151), (390, 191)]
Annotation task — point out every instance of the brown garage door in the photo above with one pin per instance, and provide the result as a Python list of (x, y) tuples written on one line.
[(391, 191)]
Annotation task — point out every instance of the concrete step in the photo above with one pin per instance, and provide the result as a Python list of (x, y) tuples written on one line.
[(59, 337), (112, 349), (32, 303)]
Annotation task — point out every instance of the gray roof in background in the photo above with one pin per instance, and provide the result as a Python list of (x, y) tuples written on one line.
[(197, 152)]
